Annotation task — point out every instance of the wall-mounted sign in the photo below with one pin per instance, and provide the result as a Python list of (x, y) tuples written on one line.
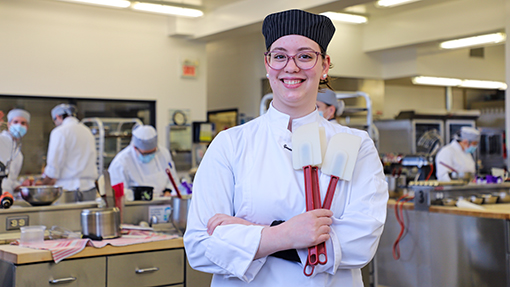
[(189, 68)]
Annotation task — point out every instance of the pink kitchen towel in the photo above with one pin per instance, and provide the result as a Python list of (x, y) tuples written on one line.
[(63, 248)]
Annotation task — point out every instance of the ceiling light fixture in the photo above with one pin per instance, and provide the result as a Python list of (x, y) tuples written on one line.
[(474, 41), (344, 17), (453, 82), (393, 3), (166, 9), (436, 81), (109, 3), (483, 84)]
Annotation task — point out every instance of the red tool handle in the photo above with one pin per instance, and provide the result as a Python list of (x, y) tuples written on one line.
[(173, 182), (323, 255), (309, 173)]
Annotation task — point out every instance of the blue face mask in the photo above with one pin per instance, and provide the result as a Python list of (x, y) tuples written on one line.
[(321, 113), (471, 149), (17, 131), (146, 158)]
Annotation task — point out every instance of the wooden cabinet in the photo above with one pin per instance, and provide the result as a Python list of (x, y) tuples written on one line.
[(149, 268), (158, 268)]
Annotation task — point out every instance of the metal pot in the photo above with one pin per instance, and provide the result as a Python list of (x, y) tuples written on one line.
[(489, 198), (100, 223), (180, 212)]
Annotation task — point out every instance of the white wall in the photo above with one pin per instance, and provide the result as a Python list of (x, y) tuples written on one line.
[(59, 49)]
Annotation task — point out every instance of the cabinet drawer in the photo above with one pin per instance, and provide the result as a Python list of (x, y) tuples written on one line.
[(75, 273), (156, 268)]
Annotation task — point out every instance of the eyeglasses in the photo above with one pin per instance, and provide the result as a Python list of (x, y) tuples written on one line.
[(303, 60)]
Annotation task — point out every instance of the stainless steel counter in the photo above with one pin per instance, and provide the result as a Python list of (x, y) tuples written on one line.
[(445, 249)]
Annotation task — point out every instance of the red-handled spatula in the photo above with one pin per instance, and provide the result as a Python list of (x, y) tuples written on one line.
[(339, 162), (307, 155)]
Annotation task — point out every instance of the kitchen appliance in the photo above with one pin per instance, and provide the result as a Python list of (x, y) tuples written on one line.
[(100, 223), (41, 194), (142, 192)]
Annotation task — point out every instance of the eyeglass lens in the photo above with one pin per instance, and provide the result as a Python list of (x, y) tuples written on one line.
[(304, 60)]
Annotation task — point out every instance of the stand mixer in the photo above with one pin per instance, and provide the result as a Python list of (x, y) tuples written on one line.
[(6, 199)]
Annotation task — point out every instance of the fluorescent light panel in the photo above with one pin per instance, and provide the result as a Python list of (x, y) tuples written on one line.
[(393, 3), (436, 81), (166, 9), (483, 84), (452, 82), (109, 3), (344, 17), (474, 41)]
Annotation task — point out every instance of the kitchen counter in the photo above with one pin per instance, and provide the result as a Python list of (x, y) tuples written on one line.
[(495, 211), (21, 255), (445, 246)]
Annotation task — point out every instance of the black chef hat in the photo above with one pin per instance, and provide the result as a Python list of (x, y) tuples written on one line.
[(297, 22)]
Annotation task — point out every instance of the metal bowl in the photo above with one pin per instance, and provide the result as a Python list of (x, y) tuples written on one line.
[(41, 194)]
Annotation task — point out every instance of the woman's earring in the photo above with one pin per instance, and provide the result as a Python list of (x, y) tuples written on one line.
[(267, 76), (325, 76)]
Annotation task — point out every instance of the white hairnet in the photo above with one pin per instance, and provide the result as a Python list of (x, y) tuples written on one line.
[(470, 134), (18, 113), (63, 109), (329, 97), (145, 137)]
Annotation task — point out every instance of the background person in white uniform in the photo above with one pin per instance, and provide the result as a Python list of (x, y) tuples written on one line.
[(249, 203), (143, 163), (328, 105), (18, 121), (458, 155), (71, 158)]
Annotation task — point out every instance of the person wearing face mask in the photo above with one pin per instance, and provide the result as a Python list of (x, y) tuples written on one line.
[(10, 147), (248, 223), (457, 156), (328, 105), (143, 163), (71, 157)]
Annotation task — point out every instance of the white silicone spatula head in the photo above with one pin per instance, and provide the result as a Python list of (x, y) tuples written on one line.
[(341, 155), (306, 146)]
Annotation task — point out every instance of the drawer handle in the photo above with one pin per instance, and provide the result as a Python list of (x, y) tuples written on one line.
[(152, 269), (62, 280)]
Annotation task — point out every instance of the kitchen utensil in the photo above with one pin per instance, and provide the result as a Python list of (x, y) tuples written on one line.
[(307, 155), (142, 192), (466, 204), (32, 235), (339, 162), (476, 199), (180, 207), (489, 198), (449, 201), (169, 173), (38, 195), (503, 197), (109, 195), (100, 223), (448, 167)]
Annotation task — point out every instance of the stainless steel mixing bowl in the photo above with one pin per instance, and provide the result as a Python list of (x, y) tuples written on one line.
[(41, 194)]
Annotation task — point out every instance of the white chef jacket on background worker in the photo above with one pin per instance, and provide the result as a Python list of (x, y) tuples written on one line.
[(18, 121), (71, 158), (246, 185), (328, 105), (458, 155), (143, 163)]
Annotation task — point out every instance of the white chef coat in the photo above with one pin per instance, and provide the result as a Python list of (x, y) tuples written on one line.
[(10, 154), (453, 156), (126, 168), (246, 172), (71, 158)]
